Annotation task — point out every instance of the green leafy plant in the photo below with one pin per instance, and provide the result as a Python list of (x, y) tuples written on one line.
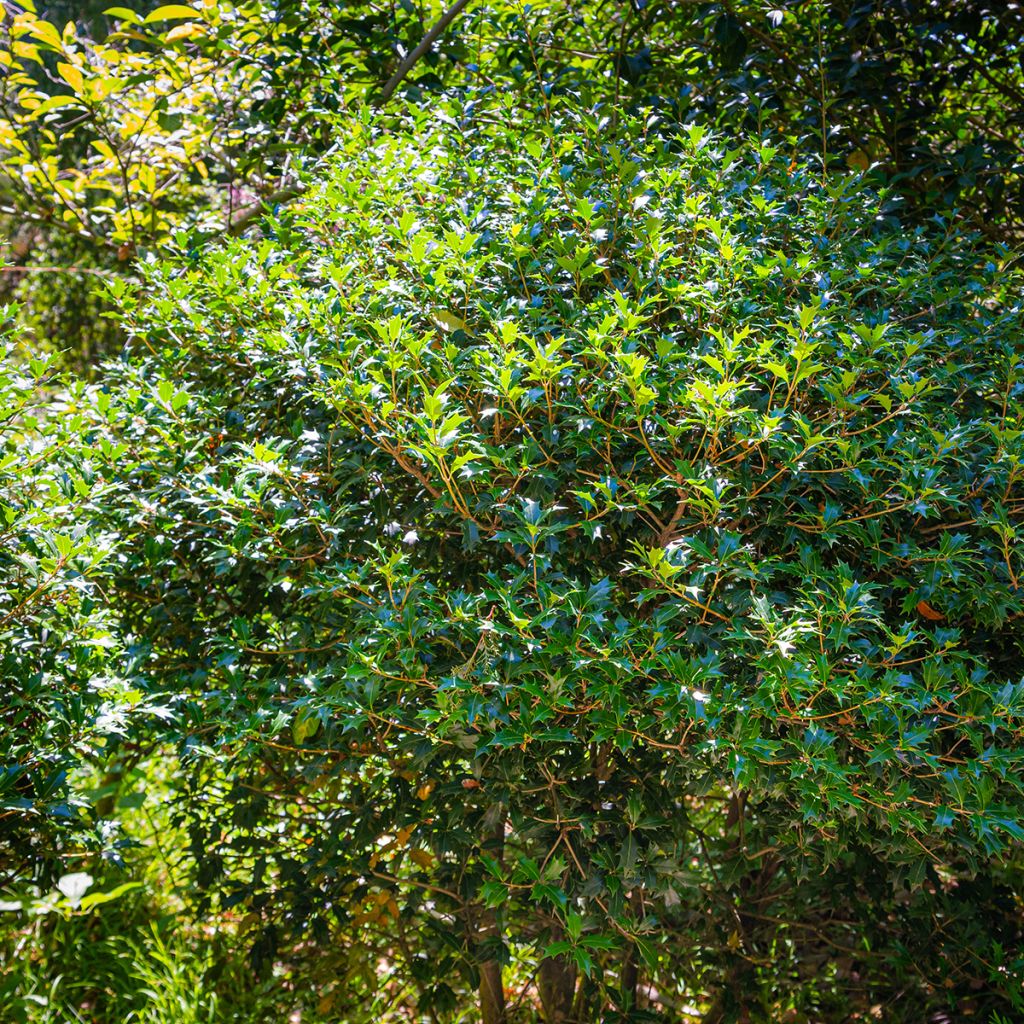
[(56, 637), (586, 546), (130, 963)]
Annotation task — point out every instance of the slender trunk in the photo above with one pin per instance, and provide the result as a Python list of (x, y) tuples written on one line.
[(629, 979), (730, 1005), (585, 1006), (731, 1001), (492, 994), (556, 981)]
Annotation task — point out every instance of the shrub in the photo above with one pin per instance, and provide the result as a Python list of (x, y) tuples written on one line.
[(596, 548), (55, 636)]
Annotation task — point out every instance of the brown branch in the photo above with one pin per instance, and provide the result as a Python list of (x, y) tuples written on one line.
[(244, 217), (424, 47)]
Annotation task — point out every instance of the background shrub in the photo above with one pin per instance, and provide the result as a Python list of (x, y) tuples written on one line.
[(55, 632)]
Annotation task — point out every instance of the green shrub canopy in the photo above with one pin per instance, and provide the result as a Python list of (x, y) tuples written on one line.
[(56, 635), (590, 541)]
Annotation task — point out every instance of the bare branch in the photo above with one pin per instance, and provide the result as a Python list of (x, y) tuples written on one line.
[(424, 47), (242, 218)]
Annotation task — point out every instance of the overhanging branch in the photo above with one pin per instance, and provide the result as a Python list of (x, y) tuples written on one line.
[(244, 217), (424, 47)]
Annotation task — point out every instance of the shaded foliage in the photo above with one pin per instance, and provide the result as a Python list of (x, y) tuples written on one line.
[(55, 633)]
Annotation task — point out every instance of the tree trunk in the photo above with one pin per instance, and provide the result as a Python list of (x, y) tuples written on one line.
[(556, 981), (492, 992), (629, 977), (629, 980)]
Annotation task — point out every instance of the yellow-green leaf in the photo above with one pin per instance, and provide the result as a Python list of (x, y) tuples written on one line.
[(124, 14), (71, 75), (26, 51), (190, 30), (449, 322), (171, 12), (95, 898), (103, 148), (305, 724), (46, 32), (54, 103)]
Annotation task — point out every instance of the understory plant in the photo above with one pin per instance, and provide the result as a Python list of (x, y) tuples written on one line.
[(569, 543), (57, 638)]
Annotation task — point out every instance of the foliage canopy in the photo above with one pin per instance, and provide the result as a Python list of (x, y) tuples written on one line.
[(554, 524), (587, 527)]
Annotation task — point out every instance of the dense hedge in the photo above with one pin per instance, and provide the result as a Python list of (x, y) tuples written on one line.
[(597, 546), (56, 636), (591, 546)]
